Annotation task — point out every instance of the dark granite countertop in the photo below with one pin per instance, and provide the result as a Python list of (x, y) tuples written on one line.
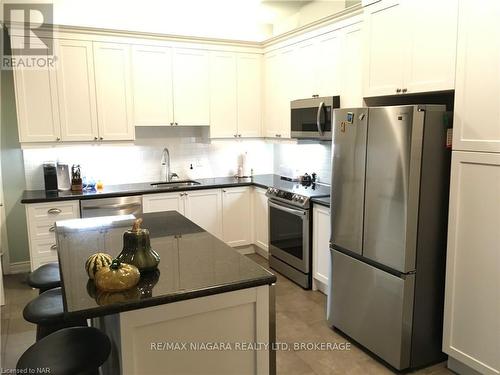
[(193, 263), (40, 196), (325, 201)]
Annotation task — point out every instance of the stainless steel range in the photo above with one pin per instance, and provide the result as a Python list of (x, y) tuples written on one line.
[(290, 224)]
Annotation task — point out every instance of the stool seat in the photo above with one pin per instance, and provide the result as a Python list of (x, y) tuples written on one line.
[(69, 351), (47, 312), (47, 308), (45, 277)]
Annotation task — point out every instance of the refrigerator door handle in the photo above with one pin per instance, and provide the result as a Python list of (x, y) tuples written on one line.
[(318, 119)]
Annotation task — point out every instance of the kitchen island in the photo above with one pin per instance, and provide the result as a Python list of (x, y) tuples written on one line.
[(207, 309)]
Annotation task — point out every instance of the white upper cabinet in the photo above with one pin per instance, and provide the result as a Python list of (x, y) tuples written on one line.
[(477, 93), (76, 90), (191, 87), (385, 48), (249, 95), (410, 46), (113, 91), (328, 65), (37, 103), (432, 45), (303, 72), (223, 95), (351, 66), (152, 86)]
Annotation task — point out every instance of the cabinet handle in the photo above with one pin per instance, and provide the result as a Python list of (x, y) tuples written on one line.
[(53, 247), (95, 138), (54, 211), (398, 90), (239, 135), (101, 138), (52, 229), (405, 90), (58, 139), (235, 135), (176, 124), (224, 191)]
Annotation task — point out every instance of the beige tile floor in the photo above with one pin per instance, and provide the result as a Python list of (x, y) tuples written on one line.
[(300, 317)]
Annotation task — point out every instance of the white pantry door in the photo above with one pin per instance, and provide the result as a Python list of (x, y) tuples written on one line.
[(2, 244)]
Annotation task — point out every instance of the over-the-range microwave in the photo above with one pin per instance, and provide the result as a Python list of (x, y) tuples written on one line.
[(313, 118)]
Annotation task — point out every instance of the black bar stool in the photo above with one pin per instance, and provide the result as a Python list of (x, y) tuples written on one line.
[(70, 351), (45, 277), (47, 312)]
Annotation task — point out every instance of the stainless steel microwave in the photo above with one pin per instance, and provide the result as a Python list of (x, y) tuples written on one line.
[(312, 118)]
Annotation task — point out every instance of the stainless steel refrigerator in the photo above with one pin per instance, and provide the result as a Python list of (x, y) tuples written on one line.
[(390, 181)]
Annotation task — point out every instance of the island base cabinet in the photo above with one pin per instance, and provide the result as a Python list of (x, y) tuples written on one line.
[(180, 338), (472, 306)]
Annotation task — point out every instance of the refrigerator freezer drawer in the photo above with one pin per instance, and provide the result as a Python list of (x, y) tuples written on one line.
[(373, 307)]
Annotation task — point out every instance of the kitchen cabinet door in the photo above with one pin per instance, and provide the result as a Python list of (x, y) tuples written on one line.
[(303, 70), (328, 65), (152, 86), (236, 216), (279, 91), (351, 67), (77, 91), (113, 91), (191, 87), (163, 202), (261, 219), (36, 102), (223, 95), (204, 207), (477, 113), (432, 45), (472, 307), (249, 95), (321, 248), (384, 48)]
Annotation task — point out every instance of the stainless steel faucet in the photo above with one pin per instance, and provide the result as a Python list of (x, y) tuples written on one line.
[(166, 173)]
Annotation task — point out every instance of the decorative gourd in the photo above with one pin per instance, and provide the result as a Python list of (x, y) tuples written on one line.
[(95, 262), (137, 249), (117, 277)]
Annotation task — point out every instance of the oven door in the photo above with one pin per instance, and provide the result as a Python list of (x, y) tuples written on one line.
[(289, 235)]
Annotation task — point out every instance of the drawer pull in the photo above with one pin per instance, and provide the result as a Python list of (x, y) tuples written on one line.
[(53, 247), (52, 229), (54, 211)]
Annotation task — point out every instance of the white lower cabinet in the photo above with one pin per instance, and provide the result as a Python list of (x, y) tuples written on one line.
[(41, 218), (472, 303), (236, 216), (321, 248), (261, 219), (204, 207)]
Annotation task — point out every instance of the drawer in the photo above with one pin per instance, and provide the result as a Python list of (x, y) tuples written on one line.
[(52, 212), (45, 247), (42, 229)]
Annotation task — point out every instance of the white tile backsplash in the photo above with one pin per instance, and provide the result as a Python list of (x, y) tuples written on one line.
[(140, 161)]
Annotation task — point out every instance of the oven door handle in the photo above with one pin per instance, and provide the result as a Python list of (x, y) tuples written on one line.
[(318, 119), (286, 209)]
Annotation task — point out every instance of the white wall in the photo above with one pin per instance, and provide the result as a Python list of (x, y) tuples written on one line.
[(305, 158), (140, 162)]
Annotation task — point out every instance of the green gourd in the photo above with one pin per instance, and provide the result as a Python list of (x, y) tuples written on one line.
[(137, 249)]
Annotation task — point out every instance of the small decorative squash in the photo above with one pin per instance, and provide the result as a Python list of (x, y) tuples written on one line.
[(117, 277), (95, 262), (137, 249)]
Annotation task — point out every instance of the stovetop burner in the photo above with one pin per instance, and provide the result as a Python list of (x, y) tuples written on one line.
[(297, 193)]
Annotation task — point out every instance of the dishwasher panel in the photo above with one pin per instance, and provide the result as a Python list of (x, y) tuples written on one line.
[(111, 206)]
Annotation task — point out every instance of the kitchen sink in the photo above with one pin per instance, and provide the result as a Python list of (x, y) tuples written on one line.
[(175, 184)]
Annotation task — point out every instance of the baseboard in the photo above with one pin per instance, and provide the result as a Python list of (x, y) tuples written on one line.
[(263, 253), (19, 267), (245, 250), (460, 368)]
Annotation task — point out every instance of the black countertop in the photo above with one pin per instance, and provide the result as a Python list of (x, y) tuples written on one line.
[(40, 196), (193, 264), (325, 201)]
